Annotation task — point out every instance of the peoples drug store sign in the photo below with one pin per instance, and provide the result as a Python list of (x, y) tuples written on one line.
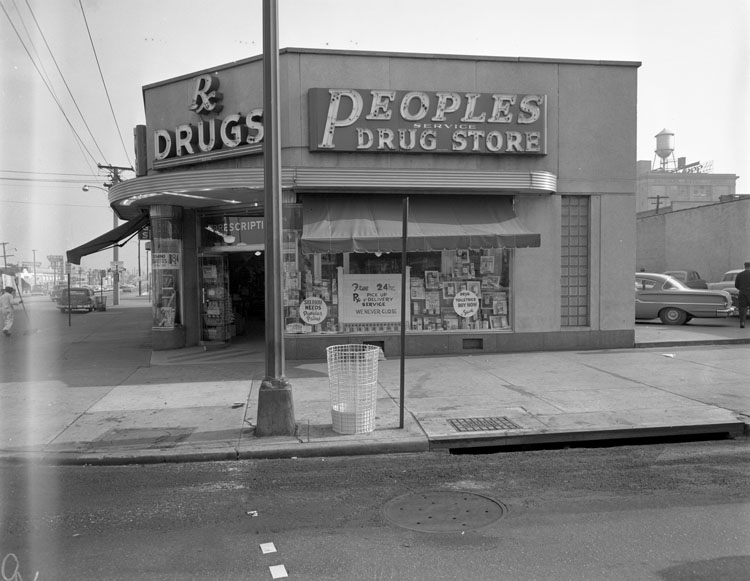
[(388, 121)]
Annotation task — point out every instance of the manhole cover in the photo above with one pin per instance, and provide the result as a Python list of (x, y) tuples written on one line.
[(443, 511), (482, 424)]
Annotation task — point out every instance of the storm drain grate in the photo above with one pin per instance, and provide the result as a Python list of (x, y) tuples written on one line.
[(482, 424)]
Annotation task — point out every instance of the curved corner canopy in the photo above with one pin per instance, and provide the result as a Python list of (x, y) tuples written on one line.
[(355, 223), (108, 240)]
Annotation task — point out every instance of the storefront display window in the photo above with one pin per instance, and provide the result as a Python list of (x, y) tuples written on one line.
[(166, 264), (217, 316), (451, 290)]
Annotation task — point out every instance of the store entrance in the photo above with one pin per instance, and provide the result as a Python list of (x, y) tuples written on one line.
[(233, 298), (247, 288)]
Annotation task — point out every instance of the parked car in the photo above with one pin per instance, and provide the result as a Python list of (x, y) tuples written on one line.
[(127, 288), (727, 284), (81, 299), (689, 277), (665, 297), (55, 292), (727, 281)]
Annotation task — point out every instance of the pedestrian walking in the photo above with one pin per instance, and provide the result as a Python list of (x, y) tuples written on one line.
[(6, 309), (742, 284)]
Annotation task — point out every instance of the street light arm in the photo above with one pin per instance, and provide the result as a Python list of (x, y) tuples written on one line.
[(87, 187)]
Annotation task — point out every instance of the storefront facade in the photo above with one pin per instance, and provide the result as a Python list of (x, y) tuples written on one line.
[(514, 179)]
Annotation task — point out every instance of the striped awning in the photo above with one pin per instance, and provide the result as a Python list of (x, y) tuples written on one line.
[(108, 240), (357, 223)]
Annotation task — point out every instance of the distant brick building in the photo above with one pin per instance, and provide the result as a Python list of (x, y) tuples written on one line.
[(681, 189)]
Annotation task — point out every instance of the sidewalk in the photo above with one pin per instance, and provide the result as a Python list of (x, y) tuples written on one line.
[(107, 399)]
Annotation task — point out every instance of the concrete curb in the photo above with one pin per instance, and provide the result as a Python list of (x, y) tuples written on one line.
[(264, 451), (651, 345)]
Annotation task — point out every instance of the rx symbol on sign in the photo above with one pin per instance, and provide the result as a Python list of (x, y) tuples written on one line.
[(206, 98)]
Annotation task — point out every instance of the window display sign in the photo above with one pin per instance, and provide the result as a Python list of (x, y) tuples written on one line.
[(370, 298), (466, 304), (162, 260), (313, 310)]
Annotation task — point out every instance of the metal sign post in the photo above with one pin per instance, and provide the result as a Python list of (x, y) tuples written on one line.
[(404, 240)]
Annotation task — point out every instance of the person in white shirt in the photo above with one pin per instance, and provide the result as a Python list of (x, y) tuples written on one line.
[(6, 310)]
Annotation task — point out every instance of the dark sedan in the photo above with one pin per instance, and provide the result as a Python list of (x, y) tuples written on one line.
[(79, 299), (690, 278), (665, 297)]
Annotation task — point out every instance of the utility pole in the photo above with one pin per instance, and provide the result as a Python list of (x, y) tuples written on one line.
[(658, 199), (114, 176), (275, 404), (138, 240), (5, 256)]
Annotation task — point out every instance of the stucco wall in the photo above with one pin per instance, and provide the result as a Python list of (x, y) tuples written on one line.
[(710, 239), (304, 71), (597, 129), (614, 248), (536, 271)]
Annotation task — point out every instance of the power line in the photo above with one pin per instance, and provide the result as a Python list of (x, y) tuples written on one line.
[(77, 181), (62, 76), (26, 202), (48, 173), (46, 84), (104, 84)]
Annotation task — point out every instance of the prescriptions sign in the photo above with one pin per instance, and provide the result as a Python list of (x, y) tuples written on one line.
[(389, 121), (246, 229)]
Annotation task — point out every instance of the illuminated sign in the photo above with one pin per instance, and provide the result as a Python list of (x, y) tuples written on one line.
[(389, 121), (212, 134), (237, 230)]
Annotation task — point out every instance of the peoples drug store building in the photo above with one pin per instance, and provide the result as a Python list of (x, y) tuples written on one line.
[(520, 178)]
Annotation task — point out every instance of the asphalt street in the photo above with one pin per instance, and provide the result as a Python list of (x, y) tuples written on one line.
[(663, 512)]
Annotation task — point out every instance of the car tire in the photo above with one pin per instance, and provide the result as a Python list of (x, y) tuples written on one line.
[(673, 316)]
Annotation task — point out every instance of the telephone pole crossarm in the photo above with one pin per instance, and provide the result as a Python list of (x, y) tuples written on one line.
[(114, 178)]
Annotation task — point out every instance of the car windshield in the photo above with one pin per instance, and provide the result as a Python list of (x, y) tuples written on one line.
[(729, 277)]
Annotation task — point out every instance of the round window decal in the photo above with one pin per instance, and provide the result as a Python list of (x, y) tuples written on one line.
[(466, 303), (313, 310)]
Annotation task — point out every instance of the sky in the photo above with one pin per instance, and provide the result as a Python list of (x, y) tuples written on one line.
[(693, 80)]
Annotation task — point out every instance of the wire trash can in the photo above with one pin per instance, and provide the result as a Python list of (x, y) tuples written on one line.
[(100, 303), (353, 381)]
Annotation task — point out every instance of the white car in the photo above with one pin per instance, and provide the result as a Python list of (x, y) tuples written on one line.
[(726, 282)]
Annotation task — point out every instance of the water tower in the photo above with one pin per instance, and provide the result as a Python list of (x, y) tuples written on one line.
[(665, 150)]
